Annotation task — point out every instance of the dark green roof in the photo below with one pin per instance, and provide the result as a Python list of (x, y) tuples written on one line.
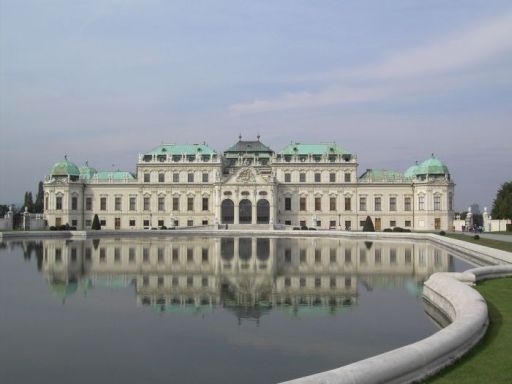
[(314, 149), (182, 149), (249, 146), (377, 175)]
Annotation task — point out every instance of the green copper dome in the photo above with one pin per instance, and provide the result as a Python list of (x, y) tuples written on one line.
[(65, 168), (412, 171), (432, 166), (87, 172)]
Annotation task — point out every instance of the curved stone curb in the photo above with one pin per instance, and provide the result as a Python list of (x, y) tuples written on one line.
[(464, 306)]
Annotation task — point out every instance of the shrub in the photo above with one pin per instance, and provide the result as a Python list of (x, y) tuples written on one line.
[(62, 227), (368, 225), (387, 230), (96, 223), (476, 237), (442, 233), (296, 228), (53, 228), (398, 229), (407, 230)]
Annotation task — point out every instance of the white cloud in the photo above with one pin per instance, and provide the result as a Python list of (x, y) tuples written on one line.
[(414, 71)]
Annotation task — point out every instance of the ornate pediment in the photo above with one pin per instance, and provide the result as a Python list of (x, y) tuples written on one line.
[(247, 175)]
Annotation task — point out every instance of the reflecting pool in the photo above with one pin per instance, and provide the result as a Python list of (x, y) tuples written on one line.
[(207, 309)]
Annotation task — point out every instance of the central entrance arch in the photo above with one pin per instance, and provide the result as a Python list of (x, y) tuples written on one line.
[(245, 212), (227, 210), (262, 211)]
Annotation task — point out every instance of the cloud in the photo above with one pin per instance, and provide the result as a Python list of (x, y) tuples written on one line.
[(462, 50)]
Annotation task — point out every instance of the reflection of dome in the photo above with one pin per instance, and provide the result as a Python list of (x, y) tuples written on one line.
[(62, 289), (432, 166), (65, 168)]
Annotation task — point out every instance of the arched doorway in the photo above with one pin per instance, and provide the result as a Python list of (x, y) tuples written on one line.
[(245, 212), (263, 211), (227, 211)]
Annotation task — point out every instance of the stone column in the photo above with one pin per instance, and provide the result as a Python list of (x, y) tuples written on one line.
[(254, 212), (236, 212)]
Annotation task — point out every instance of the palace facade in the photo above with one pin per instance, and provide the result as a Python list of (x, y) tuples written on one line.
[(313, 185)]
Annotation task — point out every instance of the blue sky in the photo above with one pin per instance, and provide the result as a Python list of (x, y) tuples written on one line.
[(392, 81)]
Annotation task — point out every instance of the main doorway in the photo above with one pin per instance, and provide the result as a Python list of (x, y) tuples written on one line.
[(263, 212), (245, 212), (228, 211)]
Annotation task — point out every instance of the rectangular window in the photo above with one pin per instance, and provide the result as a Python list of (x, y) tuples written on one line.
[(175, 177), (450, 201), (146, 177), (392, 223), (302, 255), (160, 223), (74, 203), (378, 204), (318, 256), (205, 203), (117, 203), (362, 203), (88, 223), (146, 223), (161, 203), (132, 223), (348, 203), (103, 222), (332, 177), (205, 177), (407, 223), (190, 204), (145, 255), (348, 225), (302, 177), (302, 204), (392, 203), (103, 203), (117, 255), (58, 202), (190, 177), (332, 255), (74, 223), (407, 204), (190, 255), (287, 177), (204, 255), (160, 255), (348, 178), (332, 224), (318, 177), (133, 203), (421, 203), (332, 204), (437, 202), (348, 255), (287, 255), (318, 203), (161, 177), (146, 203), (131, 255), (287, 203), (103, 255), (175, 203)]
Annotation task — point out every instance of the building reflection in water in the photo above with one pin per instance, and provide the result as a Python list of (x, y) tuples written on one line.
[(246, 275)]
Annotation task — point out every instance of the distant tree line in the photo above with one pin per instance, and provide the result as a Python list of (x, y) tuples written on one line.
[(502, 205)]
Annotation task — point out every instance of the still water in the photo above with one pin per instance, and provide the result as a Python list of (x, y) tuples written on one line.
[(206, 310)]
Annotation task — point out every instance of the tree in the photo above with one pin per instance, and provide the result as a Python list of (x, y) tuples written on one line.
[(39, 203), (368, 225), (28, 201), (96, 223), (502, 206)]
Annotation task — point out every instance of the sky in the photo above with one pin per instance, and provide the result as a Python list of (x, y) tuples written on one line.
[(391, 81)]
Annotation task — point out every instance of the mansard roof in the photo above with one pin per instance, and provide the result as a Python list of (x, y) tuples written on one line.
[(314, 149), (182, 149), (381, 175), (248, 146)]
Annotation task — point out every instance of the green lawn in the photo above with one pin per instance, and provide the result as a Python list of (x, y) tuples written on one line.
[(503, 245), (491, 360)]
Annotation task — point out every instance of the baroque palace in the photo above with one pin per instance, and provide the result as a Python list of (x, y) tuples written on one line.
[(313, 185)]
